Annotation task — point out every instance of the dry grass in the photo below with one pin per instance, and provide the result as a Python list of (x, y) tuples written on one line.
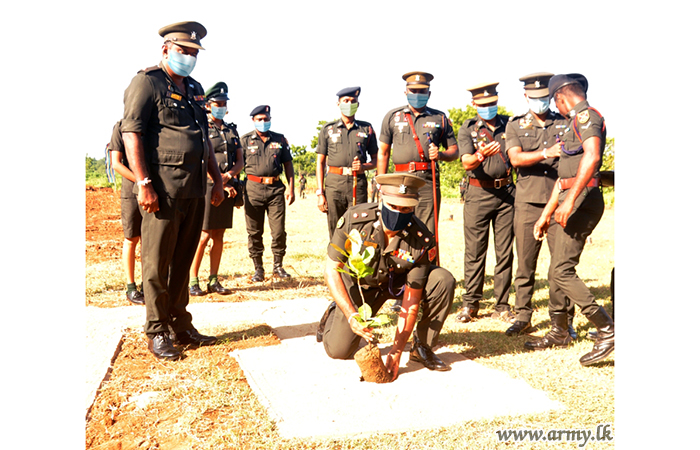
[(217, 409)]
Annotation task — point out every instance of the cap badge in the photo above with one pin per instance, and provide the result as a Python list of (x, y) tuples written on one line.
[(402, 189), (537, 84), (417, 77), (194, 36), (486, 92)]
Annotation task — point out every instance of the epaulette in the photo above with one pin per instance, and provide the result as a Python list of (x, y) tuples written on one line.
[(420, 232), (149, 69), (368, 212), (519, 116)]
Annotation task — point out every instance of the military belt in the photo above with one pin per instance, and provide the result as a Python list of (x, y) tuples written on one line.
[(566, 183), (491, 184), (340, 170), (412, 166), (263, 180)]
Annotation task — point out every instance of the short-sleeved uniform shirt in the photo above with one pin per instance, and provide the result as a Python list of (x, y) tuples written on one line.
[(585, 123), (340, 143), (265, 159), (405, 260), (535, 183), (226, 143), (396, 132), (173, 128), (116, 144), (474, 132)]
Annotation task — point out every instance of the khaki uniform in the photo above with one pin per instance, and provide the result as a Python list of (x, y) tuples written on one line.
[(173, 128), (485, 207), (340, 145), (405, 261), (534, 187), (587, 212), (265, 159), (397, 133)]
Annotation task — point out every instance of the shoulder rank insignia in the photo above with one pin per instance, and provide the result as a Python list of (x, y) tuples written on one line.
[(526, 122), (583, 116), (432, 253)]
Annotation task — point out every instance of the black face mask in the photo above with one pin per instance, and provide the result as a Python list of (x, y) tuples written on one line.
[(395, 220)]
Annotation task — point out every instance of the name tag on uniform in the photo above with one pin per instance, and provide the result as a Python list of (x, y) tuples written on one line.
[(174, 96), (253, 148)]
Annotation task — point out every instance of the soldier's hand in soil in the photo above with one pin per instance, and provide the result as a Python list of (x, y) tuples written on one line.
[(147, 198), (392, 364)]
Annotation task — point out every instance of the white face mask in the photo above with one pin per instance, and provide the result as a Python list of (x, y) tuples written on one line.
[(538, 105)]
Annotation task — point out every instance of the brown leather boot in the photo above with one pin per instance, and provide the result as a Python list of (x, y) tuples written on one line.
[(558, 336), (605, 339)]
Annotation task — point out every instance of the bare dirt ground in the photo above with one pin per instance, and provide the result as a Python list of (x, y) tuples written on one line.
[(136, 408)]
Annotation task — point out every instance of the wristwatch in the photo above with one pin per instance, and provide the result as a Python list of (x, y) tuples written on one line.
[(479, 156), (319, 191)]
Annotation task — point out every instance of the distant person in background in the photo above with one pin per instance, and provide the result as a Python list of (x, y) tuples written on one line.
[(577, 206), (347, 148), (217, 219), (375, 190), (302, 186), (266, 156), (130, 214), (462, 189)]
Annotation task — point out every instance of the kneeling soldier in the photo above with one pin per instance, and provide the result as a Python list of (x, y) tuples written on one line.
[(404, 250)]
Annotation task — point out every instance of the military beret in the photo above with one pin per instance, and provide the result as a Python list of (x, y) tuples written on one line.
[(484, 93), (185, 34), (400, 188), (536, 84), (217, 92), (418, 80), (262, 109), (559, 81), (349, 92)]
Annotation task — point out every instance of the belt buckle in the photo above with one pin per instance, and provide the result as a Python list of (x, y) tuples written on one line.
[(268, 180), (347, 171), (498, 183), (412, 166)]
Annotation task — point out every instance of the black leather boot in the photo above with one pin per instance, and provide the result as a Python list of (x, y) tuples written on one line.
[(605, 340), (423, 354), (162, 347), (322, 323), (558, 336), (277, 268), (259, 274)]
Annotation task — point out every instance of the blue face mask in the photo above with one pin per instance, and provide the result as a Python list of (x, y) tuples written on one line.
[(218, 112), (418, 101), (538, 105), (487, 112), (395, 220), (263, 127), (181, 64)]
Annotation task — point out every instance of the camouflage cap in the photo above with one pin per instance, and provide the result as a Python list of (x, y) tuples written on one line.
[(400, 189), (187, 34)]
